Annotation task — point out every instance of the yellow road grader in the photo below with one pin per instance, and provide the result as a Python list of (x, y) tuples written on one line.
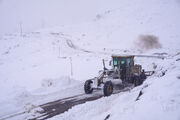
[(123, 69)]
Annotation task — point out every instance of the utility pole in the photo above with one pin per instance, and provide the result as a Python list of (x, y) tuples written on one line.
[(20, 25), (71, 75), (71, 66), (59, 51), (59, 48)]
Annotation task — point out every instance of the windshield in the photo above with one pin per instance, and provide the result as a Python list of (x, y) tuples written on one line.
[(115, 63)]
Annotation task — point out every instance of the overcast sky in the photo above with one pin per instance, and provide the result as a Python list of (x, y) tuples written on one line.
[(36, 14)]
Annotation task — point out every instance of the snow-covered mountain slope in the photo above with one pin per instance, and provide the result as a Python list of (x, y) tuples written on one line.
[(32, 64), (115, 28)]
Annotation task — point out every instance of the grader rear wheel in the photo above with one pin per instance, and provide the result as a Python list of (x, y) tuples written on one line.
[(108, 88), (137, 81)]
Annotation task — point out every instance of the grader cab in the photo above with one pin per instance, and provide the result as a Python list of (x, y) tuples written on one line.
[(123, 68)]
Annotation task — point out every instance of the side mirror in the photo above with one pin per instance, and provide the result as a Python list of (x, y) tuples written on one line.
[(110, 63)]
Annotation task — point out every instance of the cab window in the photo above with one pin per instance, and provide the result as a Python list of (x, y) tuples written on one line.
[(122, 62), (115, 63)]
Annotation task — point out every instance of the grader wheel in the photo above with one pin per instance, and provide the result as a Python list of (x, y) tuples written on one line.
[(137, 81), (108, 88), (87, 87)]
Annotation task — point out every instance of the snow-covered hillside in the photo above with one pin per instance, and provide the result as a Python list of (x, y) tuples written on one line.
[(47, 64)]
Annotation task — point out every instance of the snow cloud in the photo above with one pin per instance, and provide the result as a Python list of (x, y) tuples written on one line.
[(147, 42)]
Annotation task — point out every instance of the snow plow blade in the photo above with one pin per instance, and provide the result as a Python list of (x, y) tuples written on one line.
[(149, 73)]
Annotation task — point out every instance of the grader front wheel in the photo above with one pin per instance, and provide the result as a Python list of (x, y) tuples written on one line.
[(108, 88), (87, 87)]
